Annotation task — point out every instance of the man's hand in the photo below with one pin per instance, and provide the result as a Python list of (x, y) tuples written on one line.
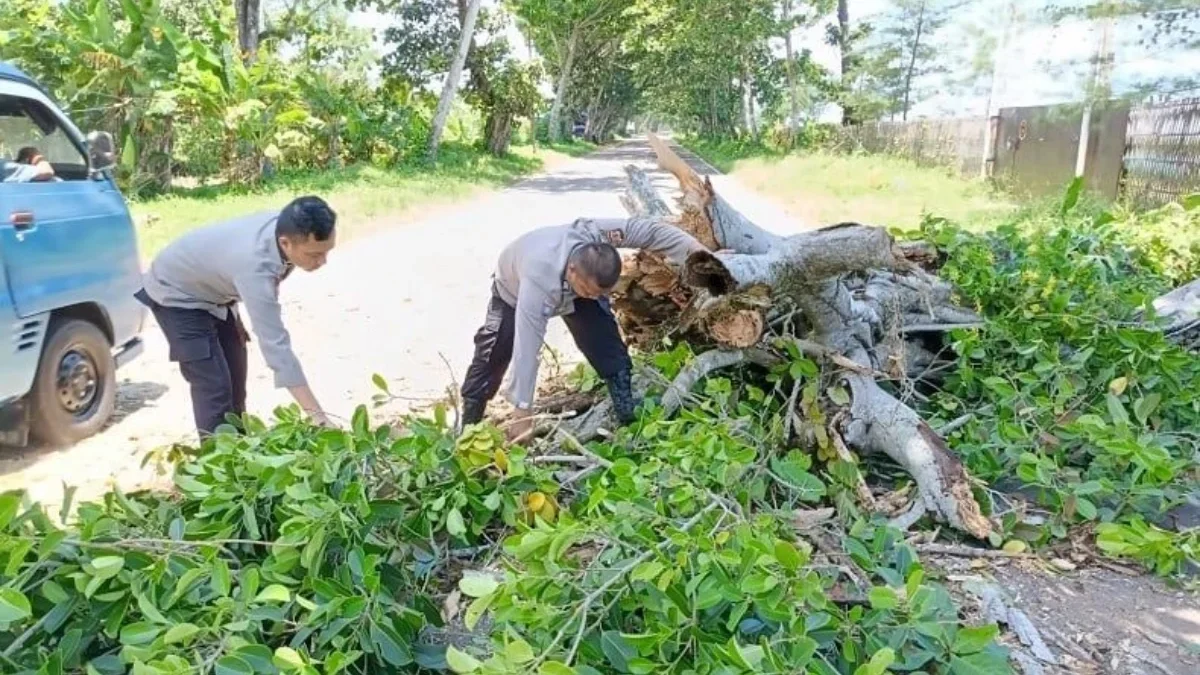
[(520, 427), (309, 404)]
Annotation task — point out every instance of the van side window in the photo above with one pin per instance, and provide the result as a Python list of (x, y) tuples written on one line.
[(26, 124)]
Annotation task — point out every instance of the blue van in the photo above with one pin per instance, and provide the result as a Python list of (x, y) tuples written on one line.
[(70, 264)]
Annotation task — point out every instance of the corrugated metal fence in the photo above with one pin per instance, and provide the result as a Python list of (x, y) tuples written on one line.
[(1150, 159), (954, 143), (1162, 152)]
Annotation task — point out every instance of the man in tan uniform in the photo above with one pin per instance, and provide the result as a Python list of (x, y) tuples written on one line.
[(567, 271)]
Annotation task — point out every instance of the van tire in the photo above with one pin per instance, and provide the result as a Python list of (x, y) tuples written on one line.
[(75, 389)]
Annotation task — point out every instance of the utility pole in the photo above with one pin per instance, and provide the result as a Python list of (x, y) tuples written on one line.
[(1097, 88), (996, 79)]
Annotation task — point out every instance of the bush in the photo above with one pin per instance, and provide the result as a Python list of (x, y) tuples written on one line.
[(1091, 410)]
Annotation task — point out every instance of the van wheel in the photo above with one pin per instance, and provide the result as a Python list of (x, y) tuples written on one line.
[(75, 390)]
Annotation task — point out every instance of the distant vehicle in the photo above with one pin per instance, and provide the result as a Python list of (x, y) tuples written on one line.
[(68, 251)]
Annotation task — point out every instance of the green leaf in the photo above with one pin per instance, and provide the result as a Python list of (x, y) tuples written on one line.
[(788, 555), (1071, 198), (221, 583), (913, 583), (454, 523), (647, 571), (380, 383), (14, 606), (807, 487), (286, 658), (1145, 407), (519, 651), (1191, 202), (274, 593), (972, 640), (390, 646), (556, 668), (461, 662), (477, 584), (259, 657), (107, 567), (102, 24), (181, 633), (139, 633), (883, 597), (233, 665), (1117, 411), (838, 395), (878, 664), (617, 649), (129, 153), (10, 503), (1084, 507), (992, 661)]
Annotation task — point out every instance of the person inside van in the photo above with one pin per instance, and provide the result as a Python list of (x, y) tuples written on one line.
[(29, 167)]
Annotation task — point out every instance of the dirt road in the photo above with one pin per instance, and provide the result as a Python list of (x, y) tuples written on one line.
[(403, 303)]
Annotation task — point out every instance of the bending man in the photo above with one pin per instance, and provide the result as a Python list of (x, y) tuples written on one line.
[(567, 271), (193, 288)]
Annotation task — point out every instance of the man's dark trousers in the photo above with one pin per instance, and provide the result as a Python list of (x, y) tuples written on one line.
[(211, 354), (592, 325)]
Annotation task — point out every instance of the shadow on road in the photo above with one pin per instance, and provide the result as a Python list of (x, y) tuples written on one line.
[(568, 181), (131, 397)]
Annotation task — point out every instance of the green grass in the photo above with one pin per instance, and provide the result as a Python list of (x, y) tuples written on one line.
[(364, 196), (828, 188)]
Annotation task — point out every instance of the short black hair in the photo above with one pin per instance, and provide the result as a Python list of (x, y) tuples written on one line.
[(599, 261), (306, 217), (26, 154)]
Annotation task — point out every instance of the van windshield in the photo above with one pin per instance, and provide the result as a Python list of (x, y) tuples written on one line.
[(18, 130)]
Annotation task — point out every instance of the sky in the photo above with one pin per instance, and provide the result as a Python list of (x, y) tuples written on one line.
[(1040, 64)]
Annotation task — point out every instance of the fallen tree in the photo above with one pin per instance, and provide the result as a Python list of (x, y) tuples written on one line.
[(847, 294)]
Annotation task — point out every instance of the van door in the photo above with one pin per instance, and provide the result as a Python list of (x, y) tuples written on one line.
[(65, 241)]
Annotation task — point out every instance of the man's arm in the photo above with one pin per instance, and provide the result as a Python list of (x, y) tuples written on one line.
[(26, 173), (649, 234), (529, 333), (259, 293), (42, 168)]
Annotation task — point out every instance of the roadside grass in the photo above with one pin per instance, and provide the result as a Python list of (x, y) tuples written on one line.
[(364, 196), (828, 188)]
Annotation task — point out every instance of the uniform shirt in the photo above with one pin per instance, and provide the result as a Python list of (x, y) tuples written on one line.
[(15, 172), (531, 277), (216, 266)]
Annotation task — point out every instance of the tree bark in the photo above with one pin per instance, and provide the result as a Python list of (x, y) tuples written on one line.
[(450, 89), (793, 86), (560, 92), (843, 18), (853, 288), (912, 61), (249, 25)]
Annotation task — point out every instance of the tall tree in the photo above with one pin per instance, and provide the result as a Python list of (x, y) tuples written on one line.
[(450, 88), (560, 29), (795, 14), (903, 48), (249, 26), (843, 44)]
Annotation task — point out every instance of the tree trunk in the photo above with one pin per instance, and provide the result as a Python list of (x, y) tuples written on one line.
[(450, 89), (843, 17), (498, 131), (249, 25), (560, 93), (855, 292), (912, 61), (793, 86)]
